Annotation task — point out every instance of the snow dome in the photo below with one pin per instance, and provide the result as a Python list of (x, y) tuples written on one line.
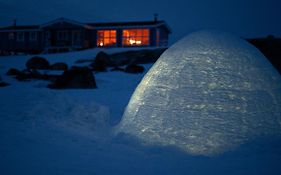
[(207, 94)]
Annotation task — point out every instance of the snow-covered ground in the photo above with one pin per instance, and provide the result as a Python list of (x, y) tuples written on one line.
[(65, 132)]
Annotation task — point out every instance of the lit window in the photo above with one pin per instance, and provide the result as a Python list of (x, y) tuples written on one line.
[(33, 36), (106, 38), (20, 36), (136, 37)]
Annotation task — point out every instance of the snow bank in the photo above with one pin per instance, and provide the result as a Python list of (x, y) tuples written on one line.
[(207, 94), (66, 110)]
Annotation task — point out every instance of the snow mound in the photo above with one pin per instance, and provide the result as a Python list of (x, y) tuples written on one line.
[(207, 94)]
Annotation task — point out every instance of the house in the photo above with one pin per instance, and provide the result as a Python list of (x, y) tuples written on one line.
[(64, 34)]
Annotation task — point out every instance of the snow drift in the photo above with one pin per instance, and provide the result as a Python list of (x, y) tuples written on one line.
[(207, 94)]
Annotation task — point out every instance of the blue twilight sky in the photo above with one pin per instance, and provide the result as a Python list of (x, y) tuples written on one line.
[(246, 18)]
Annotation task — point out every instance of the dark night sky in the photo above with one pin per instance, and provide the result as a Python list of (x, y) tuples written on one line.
[(246, 18)]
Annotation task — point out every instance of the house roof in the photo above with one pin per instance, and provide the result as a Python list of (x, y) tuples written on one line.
[(65, 20), (25, 27), (91, 25), (130, 24)]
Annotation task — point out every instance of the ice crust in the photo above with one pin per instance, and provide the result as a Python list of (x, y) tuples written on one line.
[(207, 94)]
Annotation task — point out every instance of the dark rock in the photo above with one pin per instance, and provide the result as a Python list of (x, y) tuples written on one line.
[(59, 66), (84, 61), (98, 67), (13, 72), (137, 57), (116, 68), (75, 78), (103, 57), (29, 74), (3, 84), (101, 62), (37, 63), (77, 67), (133, 68)]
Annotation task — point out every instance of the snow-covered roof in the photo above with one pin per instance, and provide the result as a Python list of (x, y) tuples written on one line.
[(131, 24), (20, 28), (61, 20)]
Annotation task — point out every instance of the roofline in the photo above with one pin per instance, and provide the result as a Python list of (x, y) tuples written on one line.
[(168, 27), (131, 26), (65, 20), (19, 30), (126, 26)]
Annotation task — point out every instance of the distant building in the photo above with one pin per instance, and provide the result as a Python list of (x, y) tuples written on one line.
[(64, 34)]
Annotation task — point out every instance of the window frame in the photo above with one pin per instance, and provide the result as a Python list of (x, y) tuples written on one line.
[(62, 35), (33, 36), (137, 35), (11, 35), (112, 38), (77, 35), (20, 36)]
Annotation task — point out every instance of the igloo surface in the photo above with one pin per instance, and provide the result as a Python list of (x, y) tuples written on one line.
[(207, 94)]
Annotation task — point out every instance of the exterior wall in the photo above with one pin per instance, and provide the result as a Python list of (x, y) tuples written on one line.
[(29, 45), (94, 37), (163, 36), (119, 37), (159, 36), (25, 45), (87, 38), (152, 36), (69, 29), (4, 42)]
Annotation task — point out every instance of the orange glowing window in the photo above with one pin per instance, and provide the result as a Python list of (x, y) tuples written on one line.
[(106, 38), (135, 37)]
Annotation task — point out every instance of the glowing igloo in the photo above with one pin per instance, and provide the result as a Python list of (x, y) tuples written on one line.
[(207, 94)]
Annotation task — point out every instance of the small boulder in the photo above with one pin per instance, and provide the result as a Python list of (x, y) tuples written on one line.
[(37, 63), (134, 68), (29, 74), (13, 72), (116, 68), (101, 62), (3, 84), (59, 66), (104, 57), (75, 78)]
